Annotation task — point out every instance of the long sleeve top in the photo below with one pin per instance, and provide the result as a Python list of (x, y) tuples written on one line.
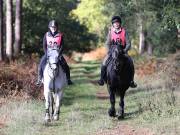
[(45, 43), (108, 42)]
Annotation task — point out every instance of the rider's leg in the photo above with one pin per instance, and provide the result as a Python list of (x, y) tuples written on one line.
[(132, 84), (66, 69), (103, 70), (40, 69)]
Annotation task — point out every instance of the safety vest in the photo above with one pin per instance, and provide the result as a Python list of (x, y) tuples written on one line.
[(118, 37), (53, 41)]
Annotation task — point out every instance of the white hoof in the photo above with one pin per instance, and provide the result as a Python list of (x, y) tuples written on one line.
[(56, 117), (47, 117)]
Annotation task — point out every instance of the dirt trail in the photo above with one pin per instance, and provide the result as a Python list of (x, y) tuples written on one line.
[(121, 129), (126, 130)]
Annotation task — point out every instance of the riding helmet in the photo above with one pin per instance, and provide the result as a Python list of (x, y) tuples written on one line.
[(116, 19), (53, 23)]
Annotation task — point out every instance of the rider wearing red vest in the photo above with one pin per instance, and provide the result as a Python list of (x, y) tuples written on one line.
[(117, 35), (53, 38)]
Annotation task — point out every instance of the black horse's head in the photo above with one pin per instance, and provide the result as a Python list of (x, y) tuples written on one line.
[(117, 54)]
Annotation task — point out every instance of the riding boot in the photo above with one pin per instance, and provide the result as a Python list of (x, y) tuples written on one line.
[(66, 69), (103, 73), (40, 70), (68, 77), (132, 83), (39, 78)]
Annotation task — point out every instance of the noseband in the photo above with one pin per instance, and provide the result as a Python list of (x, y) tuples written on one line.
[(53, 63), (54, 71)]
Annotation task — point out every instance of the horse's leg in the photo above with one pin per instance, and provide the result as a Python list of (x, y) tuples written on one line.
[(121, 105), (58, 95), (47, 104), (112, 110)]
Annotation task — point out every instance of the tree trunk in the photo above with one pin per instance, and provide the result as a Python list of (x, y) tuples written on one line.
[(150, 49), (17, 45), (1, 31), (9, 34), (141, 39)]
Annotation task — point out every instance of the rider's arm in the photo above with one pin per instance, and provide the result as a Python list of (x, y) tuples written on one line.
[(44, 44), (108, 40), (128, 43), (61, 46)]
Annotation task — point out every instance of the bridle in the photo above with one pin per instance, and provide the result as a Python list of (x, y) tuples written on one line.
[(54, 71), (54, 66), (117, 59)]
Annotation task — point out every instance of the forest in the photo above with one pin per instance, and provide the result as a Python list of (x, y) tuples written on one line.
[(152, 108), (152, 25)]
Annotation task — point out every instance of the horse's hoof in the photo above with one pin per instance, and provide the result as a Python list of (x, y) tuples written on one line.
[(56, 118), (101, 82), (47, 118), (69, 82), (112, 112), (120, 117), (120, 114), (47, 121)]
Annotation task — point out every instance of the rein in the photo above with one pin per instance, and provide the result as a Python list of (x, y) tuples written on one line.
[(116, 62)]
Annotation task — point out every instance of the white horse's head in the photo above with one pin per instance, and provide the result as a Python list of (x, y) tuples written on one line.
[(52, 60)]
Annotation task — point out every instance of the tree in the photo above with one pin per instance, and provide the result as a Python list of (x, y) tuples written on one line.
[(141, 37), (1, 31), (91, 13), (37, 14), (18, 35), (9, 33), (162, 33), (145, 20)]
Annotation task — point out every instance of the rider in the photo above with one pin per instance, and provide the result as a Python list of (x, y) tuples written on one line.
[(117, 34), (50, 38)]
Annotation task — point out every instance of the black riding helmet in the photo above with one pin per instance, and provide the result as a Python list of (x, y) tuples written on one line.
[(53, 23), (116, 19)]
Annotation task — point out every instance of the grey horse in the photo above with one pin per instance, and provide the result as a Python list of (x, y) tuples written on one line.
[(54, 80)]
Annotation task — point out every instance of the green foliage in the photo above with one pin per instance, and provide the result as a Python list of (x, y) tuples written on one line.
[(163, 36), (162, 33), (37, 14), (94, 15), (159, 19), (85, 23)]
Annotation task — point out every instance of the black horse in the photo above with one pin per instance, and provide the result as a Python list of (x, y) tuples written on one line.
[(118, 78)]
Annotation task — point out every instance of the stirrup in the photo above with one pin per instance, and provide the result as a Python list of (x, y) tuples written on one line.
[(38, 83), (133, 84), (69, 82), (101, 82)]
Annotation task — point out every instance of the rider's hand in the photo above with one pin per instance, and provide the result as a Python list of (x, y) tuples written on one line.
[(118, 43), (60, 57), (124, 51)]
